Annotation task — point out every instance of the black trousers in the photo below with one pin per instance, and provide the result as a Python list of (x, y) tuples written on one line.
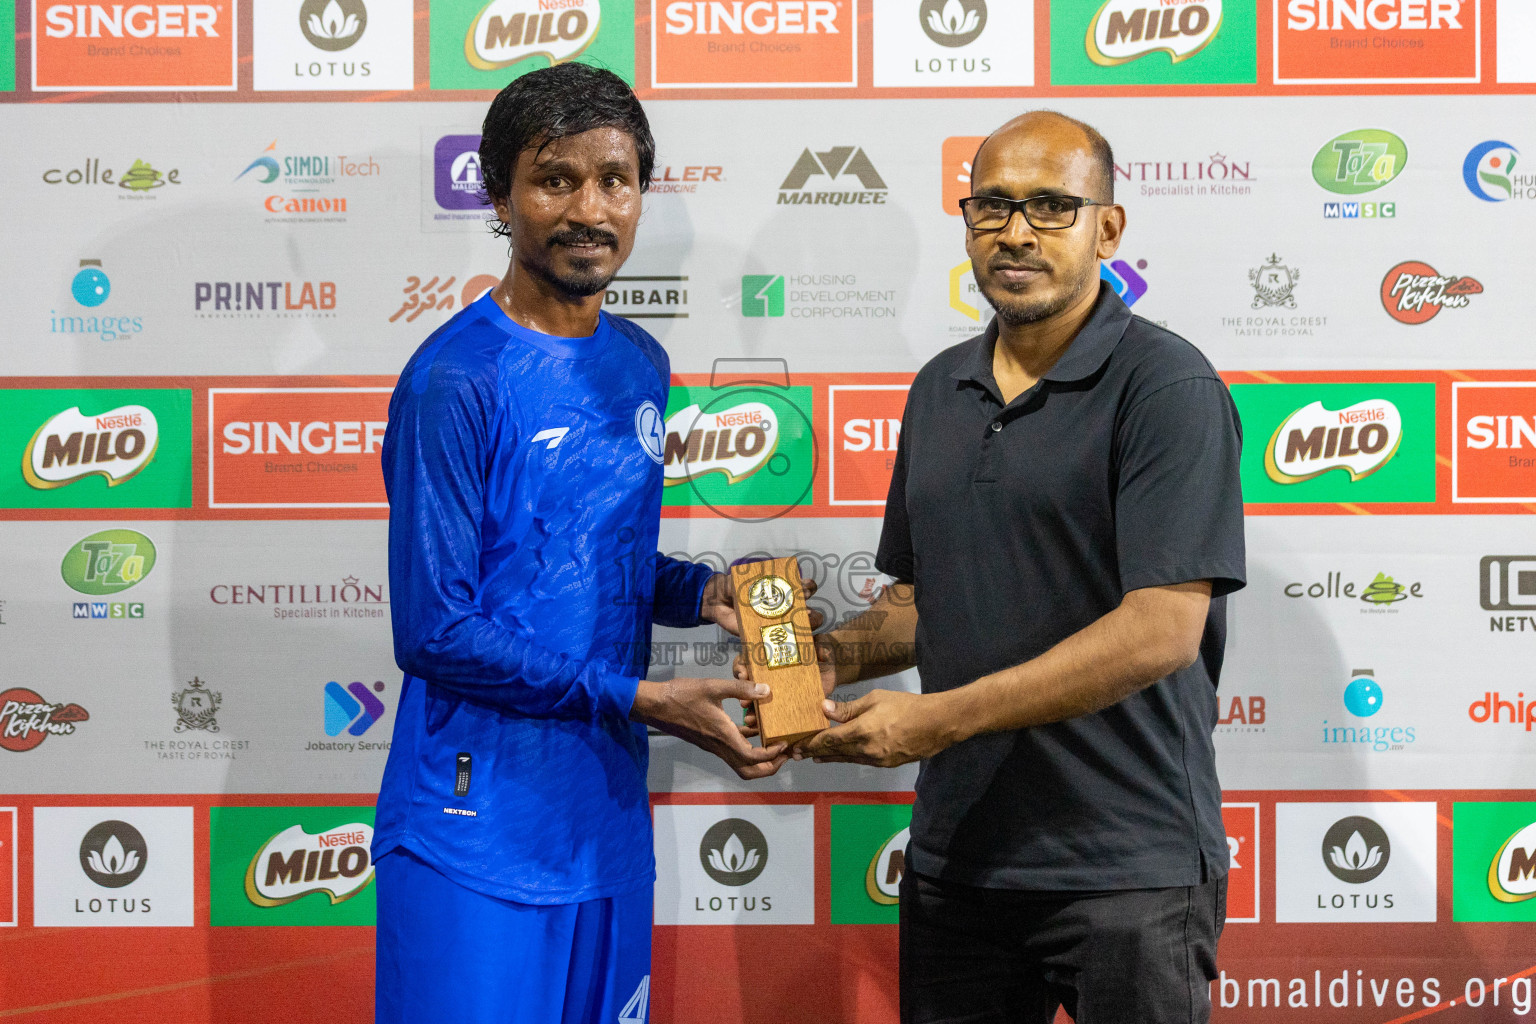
[(1002, 956)]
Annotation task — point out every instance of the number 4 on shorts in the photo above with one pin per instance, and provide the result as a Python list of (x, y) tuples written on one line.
[(634, 1011)]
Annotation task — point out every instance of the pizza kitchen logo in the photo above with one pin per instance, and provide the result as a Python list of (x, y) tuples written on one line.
[(1313, 440), (26, 719), (294, 864), (70, 446), (1413, 292), (1124, 30)]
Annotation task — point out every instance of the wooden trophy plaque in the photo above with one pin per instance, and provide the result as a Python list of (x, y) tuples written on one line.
[(776, 638)]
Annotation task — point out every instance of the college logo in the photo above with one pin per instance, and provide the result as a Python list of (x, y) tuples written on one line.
[(139, 181), (1363, 698), (115, 445), (291, 866), (1355, 862), (869, 850), (1489, 169), (1121, 42), (1381, 592), (1493, 856), (1359, 161), (112, 866), (296, 447), (1314, 439), (26, 719), (90, 287), (197, 707), (746, 864), (864, 423), (480, 45), (953, 43), (1414, 292), (1493, 451), (108, 562), (1243, 854), (848, 162), (1273, 283), (1124, 280), (739, 45), (352, 709), (133, 47), (1348, 42)]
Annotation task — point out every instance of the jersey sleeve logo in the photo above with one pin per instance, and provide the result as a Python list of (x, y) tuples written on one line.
[(651, 429)]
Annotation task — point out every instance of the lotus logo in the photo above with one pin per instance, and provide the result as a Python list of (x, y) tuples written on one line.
[(294, 863), (1313, 440), (736, 441), (1124, 30), (1512, 874), (71, 446), (882, 879), (508, 31), (113, 854), (734, 852), (333, 24), (1356, 850), (953, 22)]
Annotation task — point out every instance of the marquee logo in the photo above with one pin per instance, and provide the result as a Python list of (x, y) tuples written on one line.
[(1359, 439), (846, 162), (71, 446), (1488, 171), (1355, 41), (108, 562), (735, 441), (1414, 292), (508, 31), (1359, 161), (133, 47), (295, 863), (1124, 30), (26, 719), (753, 44)]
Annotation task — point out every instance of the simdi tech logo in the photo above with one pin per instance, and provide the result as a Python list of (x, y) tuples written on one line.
[(97, 448), (1338, 442), (1493, 447), (314, 45), (1146, 42), (291, 866), (480, 45), (141, 47), (309, 183), (1346, 42), (1493, 862), (753, 45)]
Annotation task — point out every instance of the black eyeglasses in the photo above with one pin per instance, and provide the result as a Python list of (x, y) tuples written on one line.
[(1045, 213)]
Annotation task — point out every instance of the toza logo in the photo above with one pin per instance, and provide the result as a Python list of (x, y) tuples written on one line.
[(1359, 161), (733, 852), (1414, 292), (840, 161), (1273, 283), (953, 22), (1313, 440), (508, 31), (113, 854), (108, 562), (333, 25), (1356, 850), (294, 864), (71, 446), (1124, 30)]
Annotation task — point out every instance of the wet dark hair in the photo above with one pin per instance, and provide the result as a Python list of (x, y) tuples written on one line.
[(1098, 145), (553, 103)]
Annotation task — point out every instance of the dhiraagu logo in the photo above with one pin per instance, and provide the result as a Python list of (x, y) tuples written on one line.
[(1359, 161), (1320, 443), (747, 451), (869, 849), (477, 44)]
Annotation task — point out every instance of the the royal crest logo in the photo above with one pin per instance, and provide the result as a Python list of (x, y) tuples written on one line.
[(70, 446), (196, 707), (26, 719), (294, 863), (1414, 292), (1314, 440), (736, 442), (1273, 283), (508, 31), (1124, 30)]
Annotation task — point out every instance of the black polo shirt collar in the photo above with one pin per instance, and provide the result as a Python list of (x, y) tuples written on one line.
[(1083, 358)]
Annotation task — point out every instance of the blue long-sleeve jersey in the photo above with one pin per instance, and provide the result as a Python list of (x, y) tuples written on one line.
[(524, 479)]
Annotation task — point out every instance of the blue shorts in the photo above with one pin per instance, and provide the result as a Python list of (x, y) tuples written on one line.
[(447, 953)]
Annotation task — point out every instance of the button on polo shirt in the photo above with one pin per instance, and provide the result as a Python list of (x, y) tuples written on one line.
[(1020, 524)]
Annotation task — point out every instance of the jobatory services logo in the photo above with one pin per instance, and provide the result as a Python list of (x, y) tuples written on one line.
[(480, 45), (1363, 698), (352, 709), (1244, 853), (305, 187), (315, 45), (440, 292), (26, 719), (864, 425), (1338, 442), (845, 172), (142, 47), (90, 287), (1493, 445), (1413, 292), (1355, 862), (1493, 862), (138, 180), (742, 864), (258, 300), (1347, 42), (953, 43), (1489, 172), (97, 448), (869, 850), (1143, 42), (754, 45), (107, 563), (1355, 163), (296, 447), (1124, 279), (112, 867), (291, 866)]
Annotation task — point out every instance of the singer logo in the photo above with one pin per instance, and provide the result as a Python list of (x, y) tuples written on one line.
[(1359, 41), (756, 44), (296, 447), (1313, 440), (133, 47), (865, 424), (1493, 452)]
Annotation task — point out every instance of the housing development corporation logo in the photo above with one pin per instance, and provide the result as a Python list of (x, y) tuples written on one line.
[(843, 169), (1493, 450), (26, 719), (953, 43), (475, 44), (291, 866), (753, 45), (1343, 42), (1489, 172), (104, 47), (1413, 292), (1493, 856), (1144, 42)]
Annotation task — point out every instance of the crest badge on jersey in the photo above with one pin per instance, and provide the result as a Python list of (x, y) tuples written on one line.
[(651, 429)]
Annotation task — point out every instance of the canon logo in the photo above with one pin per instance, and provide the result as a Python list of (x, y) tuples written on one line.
[(140, 21), (318, 437), (759, 17), (1339, 15)]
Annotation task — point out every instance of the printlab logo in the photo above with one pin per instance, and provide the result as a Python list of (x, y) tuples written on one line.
[(840, 166), (250, 300), (1356, 850), (90, 287), (1273, 283), (1124, 279), (953, 23), (333, 25), (26, 719), (353, 708), (1414, 292), (1489, 171), (113, 854), (1245, 713), (734, 852), (197, 707), (1355, 163)]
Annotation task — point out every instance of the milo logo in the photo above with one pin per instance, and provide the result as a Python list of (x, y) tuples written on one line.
[(882, 879), (1512, 874), (508, 31), (70, 446), (1359, 161), (748, 449), (294, 863), (1124, 30), (736, 441), (108, 562), (1313, 440)]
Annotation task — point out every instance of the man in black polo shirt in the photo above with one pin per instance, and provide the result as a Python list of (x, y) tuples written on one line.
[(1064, 523)]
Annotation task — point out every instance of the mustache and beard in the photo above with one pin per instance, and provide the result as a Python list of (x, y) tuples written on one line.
[(581, 276), (1017, 310)]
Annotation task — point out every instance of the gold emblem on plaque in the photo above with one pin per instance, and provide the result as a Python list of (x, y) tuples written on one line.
[(771, 597), (779, 646)]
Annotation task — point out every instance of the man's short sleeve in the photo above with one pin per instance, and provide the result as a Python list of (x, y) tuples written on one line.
[(894, 557), (1179, 501)]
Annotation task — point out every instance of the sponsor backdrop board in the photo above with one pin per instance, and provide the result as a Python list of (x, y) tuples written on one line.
[(228, 258)]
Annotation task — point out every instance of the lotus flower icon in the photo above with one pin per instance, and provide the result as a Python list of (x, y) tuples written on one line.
[(112, 859), (953, 20), (733, 858), (332, 23), (1356, 855)]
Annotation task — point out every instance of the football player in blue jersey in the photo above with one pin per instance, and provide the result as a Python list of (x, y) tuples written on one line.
[(523, 461)]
